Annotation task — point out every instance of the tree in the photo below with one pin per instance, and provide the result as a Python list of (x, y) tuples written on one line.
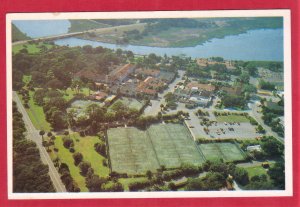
[(29, 173), (77, 156), (172, 186), (161, 107), (84, 166), (241, 176), (271, 146), (212, 181), (149, 174), (115, 187), (55, 84), (42, 133), (244, 78), (68, 142), (100, 148), (233, 101), (277, 174), (266, 85), (49, 134), (94, 183)]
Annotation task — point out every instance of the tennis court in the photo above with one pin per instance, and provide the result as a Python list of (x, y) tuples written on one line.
[(134, 151), (227, 151)]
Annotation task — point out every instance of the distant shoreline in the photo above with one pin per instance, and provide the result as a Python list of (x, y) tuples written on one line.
[(190, 44)]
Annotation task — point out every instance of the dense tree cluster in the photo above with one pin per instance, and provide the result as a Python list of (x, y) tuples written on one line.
[(271, 116), (233, 101), (67, 179), (272, 147), (266, 85), (55, 67), (29, 173)]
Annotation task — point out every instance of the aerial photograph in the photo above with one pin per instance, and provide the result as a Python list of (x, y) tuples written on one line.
[(148, 104)]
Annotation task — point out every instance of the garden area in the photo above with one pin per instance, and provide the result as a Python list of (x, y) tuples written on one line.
[(85, 146)]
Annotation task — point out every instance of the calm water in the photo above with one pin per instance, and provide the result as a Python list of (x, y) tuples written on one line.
[(43, 28), (263, 44), (254, 45)]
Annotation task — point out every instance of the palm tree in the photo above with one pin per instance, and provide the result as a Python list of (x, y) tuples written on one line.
[(42, 133), (161, 107), (49, 134)]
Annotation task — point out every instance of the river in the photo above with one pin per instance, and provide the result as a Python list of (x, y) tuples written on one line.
[(42, 28), (262, 44)]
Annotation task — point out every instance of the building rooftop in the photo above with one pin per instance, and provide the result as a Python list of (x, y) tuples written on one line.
[(201, 86), (148, 72)]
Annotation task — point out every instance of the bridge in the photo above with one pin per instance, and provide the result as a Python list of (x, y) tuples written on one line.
[(62, 36)]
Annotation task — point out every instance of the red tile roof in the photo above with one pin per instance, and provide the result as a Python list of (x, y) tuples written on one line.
[(147, 72), (201, 86), (121, 72)]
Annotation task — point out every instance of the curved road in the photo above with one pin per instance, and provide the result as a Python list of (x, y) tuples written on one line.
[(33, 134)]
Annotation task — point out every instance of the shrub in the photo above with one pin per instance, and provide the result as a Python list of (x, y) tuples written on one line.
[(68, 142), (77, 156), (84, 167)]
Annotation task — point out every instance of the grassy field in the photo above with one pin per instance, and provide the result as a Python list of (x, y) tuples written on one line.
[(257, 170), (84, 145), (36, 115), (65, 156), (31, 48), (227, 151), (135, 151), (69, 93), (130, 102), (85, 24), (232, 118)]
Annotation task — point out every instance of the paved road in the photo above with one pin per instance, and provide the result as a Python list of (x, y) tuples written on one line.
[(258, 116), (155, 108), (60, 36), (33, 134)]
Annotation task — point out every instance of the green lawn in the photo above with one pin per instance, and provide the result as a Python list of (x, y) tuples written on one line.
[(32, 48), (126, 181), (66, 157), (232, 118), (69, 93), (257, 170), (36, 114), (84, 145)]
